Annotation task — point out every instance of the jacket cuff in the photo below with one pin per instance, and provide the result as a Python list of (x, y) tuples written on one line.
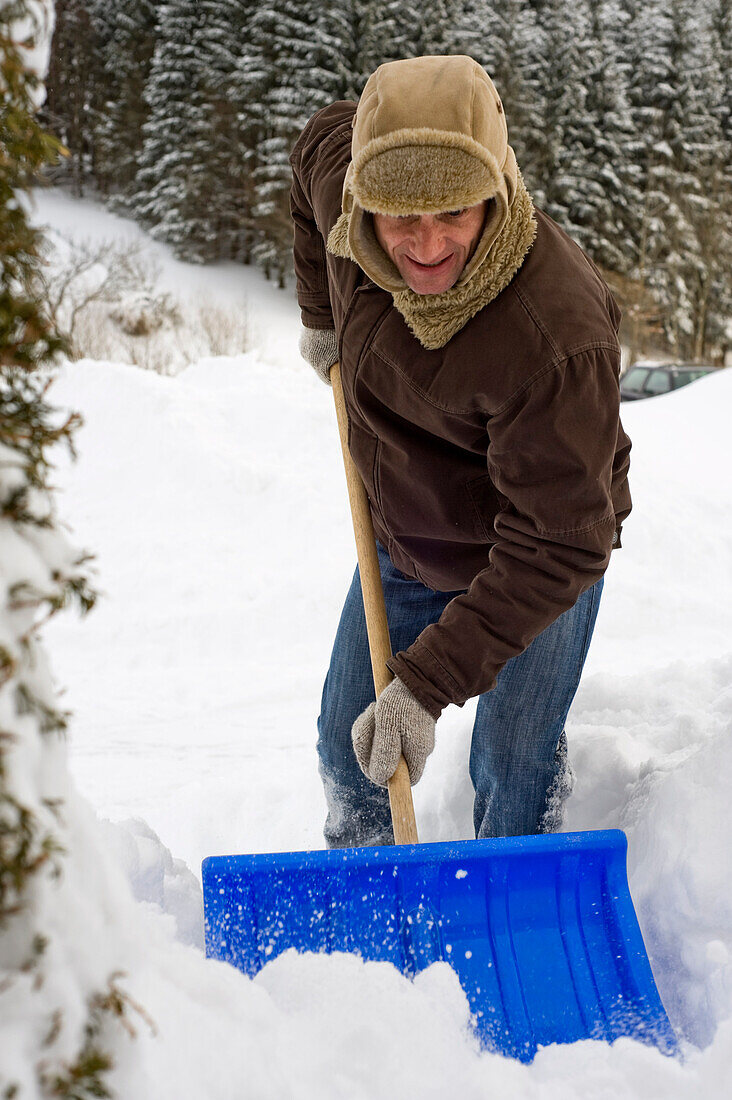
[(315, 311), (430, 683)]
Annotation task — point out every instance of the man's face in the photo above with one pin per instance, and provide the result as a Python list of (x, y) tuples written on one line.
[(430, 251)]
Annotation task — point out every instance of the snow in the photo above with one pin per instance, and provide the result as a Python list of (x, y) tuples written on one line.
[(33, 33), (214, 502)]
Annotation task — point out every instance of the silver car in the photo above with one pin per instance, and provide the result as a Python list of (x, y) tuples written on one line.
[(649, 378)]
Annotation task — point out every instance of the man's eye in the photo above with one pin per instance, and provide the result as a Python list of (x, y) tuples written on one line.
[(456, 213)]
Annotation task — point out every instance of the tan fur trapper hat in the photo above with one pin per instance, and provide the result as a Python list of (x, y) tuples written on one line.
[(429, 134)]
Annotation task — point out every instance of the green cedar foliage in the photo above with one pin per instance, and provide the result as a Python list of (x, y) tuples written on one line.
[(27, 337), (41, 575)]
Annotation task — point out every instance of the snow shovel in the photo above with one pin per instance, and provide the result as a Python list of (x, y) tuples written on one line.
[(540, 930)]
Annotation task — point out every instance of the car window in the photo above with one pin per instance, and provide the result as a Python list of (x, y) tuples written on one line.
[(684, 377), (633, 380), (658, 382)]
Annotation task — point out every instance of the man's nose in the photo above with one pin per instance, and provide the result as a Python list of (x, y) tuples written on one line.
[(429, 239)]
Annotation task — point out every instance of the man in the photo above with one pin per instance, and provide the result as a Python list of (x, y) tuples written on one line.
[(479, 358)]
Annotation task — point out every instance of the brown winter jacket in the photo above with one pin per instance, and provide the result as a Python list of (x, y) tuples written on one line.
[(495, 464)]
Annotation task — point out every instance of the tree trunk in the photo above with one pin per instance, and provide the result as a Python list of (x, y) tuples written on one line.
[(700, 320)]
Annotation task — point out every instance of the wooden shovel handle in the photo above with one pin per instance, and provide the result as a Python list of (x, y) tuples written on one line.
[(400, 791)]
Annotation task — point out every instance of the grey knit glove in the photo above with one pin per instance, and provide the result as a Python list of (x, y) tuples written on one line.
[(319, 346), (396, 724)]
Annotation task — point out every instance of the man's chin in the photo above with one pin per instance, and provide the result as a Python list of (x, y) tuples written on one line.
[(422, 287)]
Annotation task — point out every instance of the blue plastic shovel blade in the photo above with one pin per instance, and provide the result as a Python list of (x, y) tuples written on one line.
[(540, 930)]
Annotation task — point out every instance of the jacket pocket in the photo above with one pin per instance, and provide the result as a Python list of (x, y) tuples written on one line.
[(486, 503)]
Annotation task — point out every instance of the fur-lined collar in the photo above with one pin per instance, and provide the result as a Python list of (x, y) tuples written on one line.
[(436, 318)]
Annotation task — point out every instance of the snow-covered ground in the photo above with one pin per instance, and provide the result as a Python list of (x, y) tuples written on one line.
[(214, 502)]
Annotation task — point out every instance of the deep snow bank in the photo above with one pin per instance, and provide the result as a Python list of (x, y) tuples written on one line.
[(216, 504), (672, 583)]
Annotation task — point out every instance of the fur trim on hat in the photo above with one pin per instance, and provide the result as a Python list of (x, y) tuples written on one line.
[(423, 171), (338, 238), (436, 318)]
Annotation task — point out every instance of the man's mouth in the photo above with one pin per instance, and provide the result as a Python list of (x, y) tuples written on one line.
[(430, 267)]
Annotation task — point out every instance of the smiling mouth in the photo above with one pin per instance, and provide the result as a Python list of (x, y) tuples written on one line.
[(430, 267)]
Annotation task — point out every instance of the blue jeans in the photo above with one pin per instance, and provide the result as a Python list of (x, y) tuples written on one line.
[(518, 757)]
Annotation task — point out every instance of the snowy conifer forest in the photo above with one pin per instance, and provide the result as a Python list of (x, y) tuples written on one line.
[(182, 115)]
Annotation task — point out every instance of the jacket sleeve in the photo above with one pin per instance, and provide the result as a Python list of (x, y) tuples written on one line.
[(309, 246), (553, 453)]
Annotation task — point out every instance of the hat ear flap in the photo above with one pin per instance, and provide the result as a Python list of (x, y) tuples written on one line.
[(369, 254), (510, 174), (347, 197), (497, 213)]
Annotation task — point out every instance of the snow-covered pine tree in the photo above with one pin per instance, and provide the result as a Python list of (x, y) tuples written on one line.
[(647, 44), (721, 27), (294, 54), (698, 182), (380, 32), (507, 40), (676, 180), (75, 85), (278, 42), (608, 185), (719, 329), (58, 1015), (27, 337), (469, 32), (127, 58), (562, 155), (436, 27), (332, 73), (102, 90), (248, 83), (225, 175), (173, 188), (677, 100)]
